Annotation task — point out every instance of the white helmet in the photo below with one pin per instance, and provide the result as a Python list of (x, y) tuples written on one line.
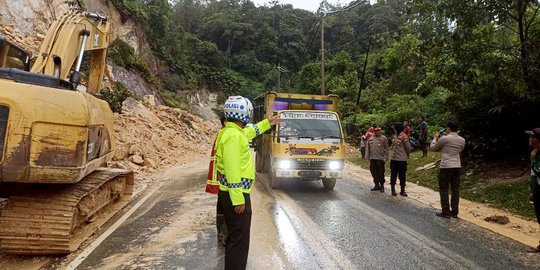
[(239, 108)]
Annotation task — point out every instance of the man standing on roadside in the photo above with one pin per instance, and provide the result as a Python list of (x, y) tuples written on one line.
[(398, 161), (370, 133), (450, 146), (534, 141), (407, 128), (377, 154), (236, 173), (422, 135)]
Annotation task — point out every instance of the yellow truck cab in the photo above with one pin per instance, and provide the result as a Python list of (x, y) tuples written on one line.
[(308, 142)]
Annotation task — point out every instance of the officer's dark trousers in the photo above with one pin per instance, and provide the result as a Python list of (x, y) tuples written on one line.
[(238, 225), (398, 168), (377, 171), (220, 220), (449, 177)]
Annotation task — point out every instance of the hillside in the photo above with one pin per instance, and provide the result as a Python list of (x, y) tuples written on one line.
[(150, 136)]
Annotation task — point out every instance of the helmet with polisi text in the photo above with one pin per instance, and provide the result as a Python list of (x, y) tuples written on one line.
[(238, 108)]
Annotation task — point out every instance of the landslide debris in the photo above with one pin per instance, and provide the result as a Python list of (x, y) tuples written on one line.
[(152, 137)]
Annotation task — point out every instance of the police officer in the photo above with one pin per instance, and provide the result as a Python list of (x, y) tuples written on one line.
[(236, 173)]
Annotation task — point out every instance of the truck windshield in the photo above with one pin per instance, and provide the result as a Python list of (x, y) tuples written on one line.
[(309, 125)]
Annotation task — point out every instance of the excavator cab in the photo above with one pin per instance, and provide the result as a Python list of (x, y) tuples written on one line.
[(12, 56)]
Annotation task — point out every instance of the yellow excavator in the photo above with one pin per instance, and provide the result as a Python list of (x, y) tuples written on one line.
[(55, 138)]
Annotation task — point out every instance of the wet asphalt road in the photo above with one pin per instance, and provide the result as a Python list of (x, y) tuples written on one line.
[(348, 228)]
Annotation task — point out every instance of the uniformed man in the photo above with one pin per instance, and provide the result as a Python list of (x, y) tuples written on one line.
[(377, 154), (450, 146), (236, 174)]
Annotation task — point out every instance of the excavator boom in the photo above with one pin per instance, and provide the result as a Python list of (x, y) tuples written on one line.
[(66, 41)]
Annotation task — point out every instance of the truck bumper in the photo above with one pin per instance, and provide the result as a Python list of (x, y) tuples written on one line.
[(303, 174)]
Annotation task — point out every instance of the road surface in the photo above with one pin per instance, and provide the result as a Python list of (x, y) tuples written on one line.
[(299, 226)]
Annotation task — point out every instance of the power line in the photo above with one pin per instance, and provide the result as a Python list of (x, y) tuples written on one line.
[(311, 38), (380, 18), (347, 8)]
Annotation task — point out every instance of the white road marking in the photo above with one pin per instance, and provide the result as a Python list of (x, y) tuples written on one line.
[(88, 250)]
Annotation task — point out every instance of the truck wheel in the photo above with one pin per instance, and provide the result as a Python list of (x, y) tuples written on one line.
[(259, 162), (329, 183), (273, 181)]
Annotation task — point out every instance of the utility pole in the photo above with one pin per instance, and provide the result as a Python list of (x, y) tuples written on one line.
[(362, 80), (322, 51), (278, 78)]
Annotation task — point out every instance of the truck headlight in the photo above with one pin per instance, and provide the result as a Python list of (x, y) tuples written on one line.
[(334, 165), (284, 164)]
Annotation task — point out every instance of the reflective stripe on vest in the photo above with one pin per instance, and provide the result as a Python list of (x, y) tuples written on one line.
[(244, 183)]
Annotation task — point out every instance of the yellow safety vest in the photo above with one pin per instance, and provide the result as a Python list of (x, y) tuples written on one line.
[(234, 160)]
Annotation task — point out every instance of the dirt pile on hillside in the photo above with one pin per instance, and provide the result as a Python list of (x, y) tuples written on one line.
[(150, 137)]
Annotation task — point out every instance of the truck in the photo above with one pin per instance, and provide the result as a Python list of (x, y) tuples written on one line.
[(307, 144), (56, 139)]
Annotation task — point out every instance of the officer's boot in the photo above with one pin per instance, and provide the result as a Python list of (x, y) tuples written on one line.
[(403, 193), (394, 193)]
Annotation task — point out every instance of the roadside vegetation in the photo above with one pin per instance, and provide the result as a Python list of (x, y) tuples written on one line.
[(471, 61)]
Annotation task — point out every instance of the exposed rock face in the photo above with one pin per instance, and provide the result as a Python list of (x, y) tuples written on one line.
[(26, 22)]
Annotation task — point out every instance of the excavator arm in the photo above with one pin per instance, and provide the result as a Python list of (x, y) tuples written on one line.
[(58, 56)]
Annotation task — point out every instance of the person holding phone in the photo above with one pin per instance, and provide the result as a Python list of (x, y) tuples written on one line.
[(450, 146)]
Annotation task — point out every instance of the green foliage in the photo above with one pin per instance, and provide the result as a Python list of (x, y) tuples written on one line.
[(175, 99), (131, 8), (115, 96), (124, 55), (473, 61)]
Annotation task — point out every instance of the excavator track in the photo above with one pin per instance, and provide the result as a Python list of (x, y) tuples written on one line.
[(55, 219)]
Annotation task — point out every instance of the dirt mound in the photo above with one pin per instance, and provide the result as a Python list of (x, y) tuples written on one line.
[(498, 219), (150, 138)]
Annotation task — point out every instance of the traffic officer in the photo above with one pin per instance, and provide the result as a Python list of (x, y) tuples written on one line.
[(236, 174)]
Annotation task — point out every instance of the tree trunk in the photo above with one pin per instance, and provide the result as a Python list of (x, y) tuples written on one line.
[(521, 11)]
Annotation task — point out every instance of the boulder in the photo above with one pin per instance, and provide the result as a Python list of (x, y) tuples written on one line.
[(136, 159), (121, 152), (149, 101)]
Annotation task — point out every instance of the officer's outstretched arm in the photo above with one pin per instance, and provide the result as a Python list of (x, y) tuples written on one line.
[(256, 129)]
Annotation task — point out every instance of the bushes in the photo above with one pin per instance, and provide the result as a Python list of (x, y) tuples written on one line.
[(122, 54), (116, 96)]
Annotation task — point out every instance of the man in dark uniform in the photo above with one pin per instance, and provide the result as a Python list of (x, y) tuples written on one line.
[(534, 141)]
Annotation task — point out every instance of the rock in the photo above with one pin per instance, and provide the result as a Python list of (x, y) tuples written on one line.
[(476, 213), (148, 162), (133, 107), (109, 73), (121, 152), (117, 165), (40, 37), (149, 101), (136, 159), (135, 149)]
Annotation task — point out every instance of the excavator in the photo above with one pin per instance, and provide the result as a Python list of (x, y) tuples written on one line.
[(56, 138)]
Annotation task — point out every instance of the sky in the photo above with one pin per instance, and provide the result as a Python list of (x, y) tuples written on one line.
[(310, 5)]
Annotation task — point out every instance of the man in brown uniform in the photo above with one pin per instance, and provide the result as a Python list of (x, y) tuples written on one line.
[(398, 161), (450, 146), (377, 154)]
